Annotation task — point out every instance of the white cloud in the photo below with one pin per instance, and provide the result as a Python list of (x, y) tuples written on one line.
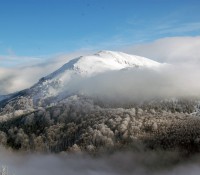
[(23, 74), (175, 50), (181, 28), (137, 85), (170, 50), (126, 163)]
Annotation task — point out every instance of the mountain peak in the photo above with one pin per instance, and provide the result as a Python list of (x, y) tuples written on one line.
[(100, 62), (101, 52), (87, 66)]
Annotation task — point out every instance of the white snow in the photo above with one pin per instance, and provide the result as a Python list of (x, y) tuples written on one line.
[(101, 62), (87, 66)]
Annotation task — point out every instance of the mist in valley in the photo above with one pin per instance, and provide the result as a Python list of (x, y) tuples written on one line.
[(142, 162)]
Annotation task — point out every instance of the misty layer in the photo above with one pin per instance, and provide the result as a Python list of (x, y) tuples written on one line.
[(127, 163), (170, 50), (30, 70), (132, 85)]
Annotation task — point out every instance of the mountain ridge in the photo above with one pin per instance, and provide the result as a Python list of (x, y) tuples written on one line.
[(85, 66), (116, 61)]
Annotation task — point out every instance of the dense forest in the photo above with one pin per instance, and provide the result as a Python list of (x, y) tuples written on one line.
[(80, 124)]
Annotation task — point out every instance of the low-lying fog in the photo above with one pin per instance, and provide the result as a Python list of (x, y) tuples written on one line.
[(142, 162), (141, 84)]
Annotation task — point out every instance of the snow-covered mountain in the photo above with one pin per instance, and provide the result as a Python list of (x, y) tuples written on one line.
[(87, 66), (101, 62), (51, 85)]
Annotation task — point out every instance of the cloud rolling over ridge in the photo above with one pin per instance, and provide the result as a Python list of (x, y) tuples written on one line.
[(171, 50), (141, 84), (23, 76)]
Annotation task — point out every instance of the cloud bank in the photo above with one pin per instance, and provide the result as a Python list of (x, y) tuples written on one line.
[(127, 163), (170, 50), (137, 85), (179, 78), (26, 74)]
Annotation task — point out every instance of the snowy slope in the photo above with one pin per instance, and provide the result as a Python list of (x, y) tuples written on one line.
[(87, 66), (101, 62), (83, 67)]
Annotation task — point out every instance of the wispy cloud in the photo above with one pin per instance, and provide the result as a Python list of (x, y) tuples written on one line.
[(23, 72), (13, 61), (170, 50), (178, 22), (156, 30), (179, 28)]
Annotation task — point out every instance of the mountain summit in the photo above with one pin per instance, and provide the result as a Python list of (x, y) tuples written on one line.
[(51, 85), (87, 66), (101, 62)]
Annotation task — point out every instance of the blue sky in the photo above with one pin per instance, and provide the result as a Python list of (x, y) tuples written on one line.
[(45, 27)]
